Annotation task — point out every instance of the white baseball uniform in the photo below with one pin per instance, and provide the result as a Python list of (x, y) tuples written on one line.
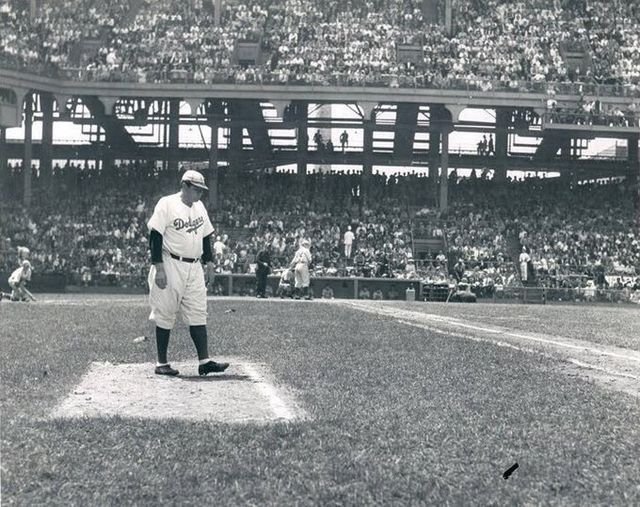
[(18, 275), (183, 229), (301, 261), (15, 281)]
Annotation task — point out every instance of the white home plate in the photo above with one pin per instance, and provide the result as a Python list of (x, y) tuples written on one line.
[(240, 394)]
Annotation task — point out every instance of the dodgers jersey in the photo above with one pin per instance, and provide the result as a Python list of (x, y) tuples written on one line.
[(182, 227)]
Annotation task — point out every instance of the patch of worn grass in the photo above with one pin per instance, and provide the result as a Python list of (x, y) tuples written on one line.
[(397, 415)]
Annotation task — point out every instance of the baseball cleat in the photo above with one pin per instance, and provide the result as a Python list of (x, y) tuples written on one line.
[(212, 367), (166, 369)]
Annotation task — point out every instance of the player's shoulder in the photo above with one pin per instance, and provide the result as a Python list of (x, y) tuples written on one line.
[(168, 199), (200, 206), (202, 209)]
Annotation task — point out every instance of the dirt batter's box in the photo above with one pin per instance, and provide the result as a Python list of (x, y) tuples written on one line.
[(242, 394)]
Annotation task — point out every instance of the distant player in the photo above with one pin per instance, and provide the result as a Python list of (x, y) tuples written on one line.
[(285, 286), (300, 265), (18, 282), (180, 234)]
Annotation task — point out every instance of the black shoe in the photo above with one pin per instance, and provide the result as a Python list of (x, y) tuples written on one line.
[(166, 369), (212, 367)]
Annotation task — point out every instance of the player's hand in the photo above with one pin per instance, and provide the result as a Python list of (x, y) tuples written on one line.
[(161, 276)]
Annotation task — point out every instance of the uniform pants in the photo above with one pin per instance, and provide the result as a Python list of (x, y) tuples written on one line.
[(185, 293), (303, 279)]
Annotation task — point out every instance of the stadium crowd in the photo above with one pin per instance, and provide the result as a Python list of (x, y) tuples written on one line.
[(494, 42), (571, 235)]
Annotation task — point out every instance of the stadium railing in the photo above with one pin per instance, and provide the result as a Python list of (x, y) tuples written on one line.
[(342, 288), (596, 119), (258, 77)]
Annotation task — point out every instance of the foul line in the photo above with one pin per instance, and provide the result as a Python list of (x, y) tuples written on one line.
[(515, 347), (278, 406), (630, 356)]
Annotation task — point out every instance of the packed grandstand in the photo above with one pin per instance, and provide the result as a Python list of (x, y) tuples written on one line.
[(574, 234), (496, 43)]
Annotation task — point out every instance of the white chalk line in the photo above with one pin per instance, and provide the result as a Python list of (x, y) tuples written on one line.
[(629, 355), (267, 390), (408, 314), (515, 347), (599, 368)]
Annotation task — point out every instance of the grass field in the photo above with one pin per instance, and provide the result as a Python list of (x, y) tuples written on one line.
[(394, 414)]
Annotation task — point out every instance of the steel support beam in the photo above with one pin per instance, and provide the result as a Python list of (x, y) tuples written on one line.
[(46, 154), (174, 133), (28, 149)]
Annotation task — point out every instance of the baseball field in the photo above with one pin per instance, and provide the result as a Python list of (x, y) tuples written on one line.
[(325, 403)]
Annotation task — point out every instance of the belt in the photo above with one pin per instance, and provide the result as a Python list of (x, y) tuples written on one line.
[(184, 259)]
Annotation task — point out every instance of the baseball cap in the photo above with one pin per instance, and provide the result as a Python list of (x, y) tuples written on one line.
[(195, 178)]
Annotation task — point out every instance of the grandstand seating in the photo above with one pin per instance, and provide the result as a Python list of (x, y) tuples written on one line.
[(313, 41), (564, 228)]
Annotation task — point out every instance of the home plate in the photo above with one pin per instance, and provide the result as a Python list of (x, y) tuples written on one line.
[(241, 394)]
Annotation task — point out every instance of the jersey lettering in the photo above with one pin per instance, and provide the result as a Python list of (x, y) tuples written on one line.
[(190, 225)]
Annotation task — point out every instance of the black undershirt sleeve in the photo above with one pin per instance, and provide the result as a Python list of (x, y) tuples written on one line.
[(207, 254), (155, 245)]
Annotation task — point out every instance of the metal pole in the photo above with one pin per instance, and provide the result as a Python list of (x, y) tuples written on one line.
[(28, 148)]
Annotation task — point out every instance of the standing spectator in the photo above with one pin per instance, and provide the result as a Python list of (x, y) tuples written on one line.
[(524, 264), (344, 140), (317, 138), (491, 148), (348, 242), (218, 246)]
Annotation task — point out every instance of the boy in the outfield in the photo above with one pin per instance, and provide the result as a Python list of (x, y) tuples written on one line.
[(180, 237), (18, 281)]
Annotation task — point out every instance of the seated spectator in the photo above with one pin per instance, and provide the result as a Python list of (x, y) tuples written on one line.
[(327, 292)]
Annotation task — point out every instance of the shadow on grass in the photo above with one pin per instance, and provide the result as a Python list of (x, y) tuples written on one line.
[(215, 378)]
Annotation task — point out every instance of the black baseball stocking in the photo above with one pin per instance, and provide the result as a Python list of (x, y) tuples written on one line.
[(199, 337), (162, 342)]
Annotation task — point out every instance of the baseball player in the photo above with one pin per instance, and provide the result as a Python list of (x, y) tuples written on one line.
[(179, 238), (18, 281), (300, 265), (284, 286)]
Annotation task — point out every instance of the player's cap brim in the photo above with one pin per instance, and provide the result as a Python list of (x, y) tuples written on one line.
[(195, 184)]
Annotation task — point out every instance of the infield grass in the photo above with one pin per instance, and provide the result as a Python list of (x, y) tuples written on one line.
[(397, 416)]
